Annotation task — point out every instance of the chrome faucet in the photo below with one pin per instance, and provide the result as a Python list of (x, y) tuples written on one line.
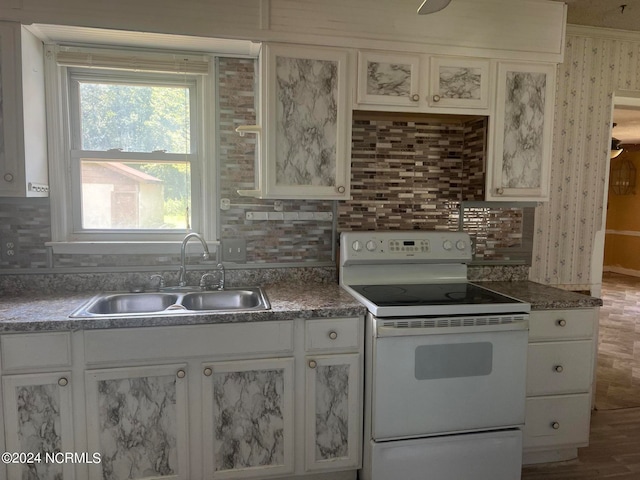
[(182, 281)]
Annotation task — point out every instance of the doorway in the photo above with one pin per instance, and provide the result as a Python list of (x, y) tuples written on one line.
[(618, 368)]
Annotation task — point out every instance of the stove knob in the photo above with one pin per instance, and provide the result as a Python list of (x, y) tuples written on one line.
[(461, 245), (447, 245), (371, 246), (357, 245)]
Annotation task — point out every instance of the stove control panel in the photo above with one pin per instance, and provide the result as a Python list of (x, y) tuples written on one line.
[(405, 247)]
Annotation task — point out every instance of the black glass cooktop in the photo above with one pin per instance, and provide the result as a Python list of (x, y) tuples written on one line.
[(430, 294)]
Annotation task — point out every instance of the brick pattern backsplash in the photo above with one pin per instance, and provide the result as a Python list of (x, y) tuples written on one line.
[(409, 175)]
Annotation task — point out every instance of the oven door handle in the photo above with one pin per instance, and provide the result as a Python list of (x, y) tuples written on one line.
[(417, 331)]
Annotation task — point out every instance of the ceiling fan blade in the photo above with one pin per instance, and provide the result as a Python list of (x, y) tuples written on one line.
[(432, 6)]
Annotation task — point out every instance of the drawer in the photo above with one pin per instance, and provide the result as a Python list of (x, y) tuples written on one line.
[(562, 324), (556, 421), (559, 367), (160, 343), (332, 334), (35, 350)]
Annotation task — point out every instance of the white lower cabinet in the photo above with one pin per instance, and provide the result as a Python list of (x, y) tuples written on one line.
[(137, 420), (248, 411), (333, 412), (560, 378), (197, 402), (38, 425)]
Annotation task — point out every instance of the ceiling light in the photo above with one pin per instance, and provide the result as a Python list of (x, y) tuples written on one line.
[(616, 148), (432, 6)]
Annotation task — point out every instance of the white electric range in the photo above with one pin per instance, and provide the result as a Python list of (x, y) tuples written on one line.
[(445, 360)]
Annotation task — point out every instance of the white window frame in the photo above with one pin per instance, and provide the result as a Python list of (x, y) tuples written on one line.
[(64, 161)]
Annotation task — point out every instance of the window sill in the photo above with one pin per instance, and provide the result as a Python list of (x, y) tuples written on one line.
[(126, 248)]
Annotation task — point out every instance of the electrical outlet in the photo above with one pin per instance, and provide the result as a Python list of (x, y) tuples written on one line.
[(9, 247), (234, 250)]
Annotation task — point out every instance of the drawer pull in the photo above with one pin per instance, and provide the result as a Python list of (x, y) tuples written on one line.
[(341, 189), (207, 372), (313, 364), (558, 368), (333, 335), (436, 98), (63, 382), (415, 97), (562, 322), (181, 374), (555, 425)]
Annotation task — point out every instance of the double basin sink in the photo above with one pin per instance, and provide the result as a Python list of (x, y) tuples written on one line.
[(173, 302)]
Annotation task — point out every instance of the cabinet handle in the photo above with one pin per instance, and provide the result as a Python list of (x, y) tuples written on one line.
[(436, 98), (207, 372), (181, 374), (333, 335), (341, 189), (8, 177), (313, 364), (558, 368), (555, 425), (63, 382), (415, 97), (499, 191), (562, 322)]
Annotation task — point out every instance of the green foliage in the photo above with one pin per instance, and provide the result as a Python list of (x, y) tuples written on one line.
[(134, 118)]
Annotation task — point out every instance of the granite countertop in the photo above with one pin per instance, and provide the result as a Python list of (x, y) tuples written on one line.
[(288, 301), (543, 297)]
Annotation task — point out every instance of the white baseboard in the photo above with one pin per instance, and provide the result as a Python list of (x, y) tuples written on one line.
[(622, 270)]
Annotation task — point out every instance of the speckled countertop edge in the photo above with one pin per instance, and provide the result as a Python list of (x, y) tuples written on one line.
[(543, 297), (289, 300)]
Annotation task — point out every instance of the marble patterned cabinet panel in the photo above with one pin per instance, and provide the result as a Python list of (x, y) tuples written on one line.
[(388, 79), (459, 82), (333, 418), (306, 120), (522, 132), (137, 420), (248, 418), (38, 420)]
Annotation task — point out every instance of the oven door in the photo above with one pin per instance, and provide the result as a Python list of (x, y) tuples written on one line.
[(467, 379)]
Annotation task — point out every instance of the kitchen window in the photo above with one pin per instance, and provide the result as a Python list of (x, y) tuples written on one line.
[(130, 160)]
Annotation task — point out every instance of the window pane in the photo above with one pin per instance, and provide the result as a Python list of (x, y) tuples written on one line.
[(134, 118), (135, 195)]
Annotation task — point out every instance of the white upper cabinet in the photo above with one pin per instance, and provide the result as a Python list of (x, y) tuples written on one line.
[(305, 124), (523, 127), (388, 79), (23, 140), (459, 82), (421, 83)]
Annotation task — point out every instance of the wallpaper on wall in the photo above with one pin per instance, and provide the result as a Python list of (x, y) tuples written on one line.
[(566, 226)]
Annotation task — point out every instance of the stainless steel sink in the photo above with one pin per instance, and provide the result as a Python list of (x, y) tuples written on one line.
[(170, 303), (242, 299)]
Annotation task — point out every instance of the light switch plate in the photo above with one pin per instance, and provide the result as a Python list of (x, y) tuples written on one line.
[(234, 250)]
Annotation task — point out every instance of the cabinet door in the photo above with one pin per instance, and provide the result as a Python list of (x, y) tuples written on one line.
[(388, 79), (522, 130), (248, 418), (137, 420), (10, 113), (306, 113), (459, 82), (333, 410), (38, 420)]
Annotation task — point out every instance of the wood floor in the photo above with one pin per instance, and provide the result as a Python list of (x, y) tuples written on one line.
[(614, 449)]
